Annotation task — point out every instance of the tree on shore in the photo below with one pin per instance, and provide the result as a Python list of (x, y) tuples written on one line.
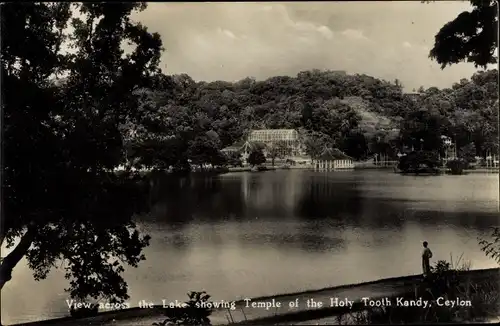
[(234, 159), (277, 150), (204, 149), (419, 161), (315, 144), (256, 157), (62, 138)]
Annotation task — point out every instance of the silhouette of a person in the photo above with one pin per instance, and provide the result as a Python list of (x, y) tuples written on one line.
[(426, 256)]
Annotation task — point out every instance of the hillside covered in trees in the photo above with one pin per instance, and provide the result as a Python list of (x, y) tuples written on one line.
[(182, 119)]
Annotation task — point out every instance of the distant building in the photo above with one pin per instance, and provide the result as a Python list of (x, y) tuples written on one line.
[(450, 150), (334, 159), (414, 95), (235, 148), (242, 147), (287, 138)]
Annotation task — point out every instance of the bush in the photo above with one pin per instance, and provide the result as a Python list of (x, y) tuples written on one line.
[(256, 157), (419, 162), (456, 166), (468, 153), (234, 159), (193, 312), (491, 247)]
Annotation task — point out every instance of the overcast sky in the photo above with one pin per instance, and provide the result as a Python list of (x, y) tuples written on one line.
[(230, 41)]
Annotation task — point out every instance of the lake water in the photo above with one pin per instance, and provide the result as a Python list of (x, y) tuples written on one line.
[(251, 234)]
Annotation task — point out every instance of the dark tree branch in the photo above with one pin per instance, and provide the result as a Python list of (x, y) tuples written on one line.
[(13, 258), (471, 37)]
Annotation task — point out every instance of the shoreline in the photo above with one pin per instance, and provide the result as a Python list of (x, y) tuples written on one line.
[(142, 316), (227, 170), (356, 168)]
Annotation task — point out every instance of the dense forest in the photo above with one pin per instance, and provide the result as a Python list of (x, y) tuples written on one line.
[(182, 119)]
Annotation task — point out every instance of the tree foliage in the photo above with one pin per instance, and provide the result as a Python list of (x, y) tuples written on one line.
[(277, 150), (63, 114), (422, 130), (256, 157), (419, 162), (467, 112), (191, 313), (472, 36), (234, 159), (491, 247), (315, 143)]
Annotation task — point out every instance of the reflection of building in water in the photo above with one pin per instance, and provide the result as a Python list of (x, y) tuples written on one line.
[(245, 185), (265, 192), (292, 192), (334, 159), (276, 192), (322, 188)]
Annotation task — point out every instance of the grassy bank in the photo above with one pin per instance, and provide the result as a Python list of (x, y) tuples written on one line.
[(480, 287), (392, 287), (450, 296), (484, 308)]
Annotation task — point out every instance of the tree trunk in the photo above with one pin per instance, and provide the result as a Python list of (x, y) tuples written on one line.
[(2, 236), (13, 258)]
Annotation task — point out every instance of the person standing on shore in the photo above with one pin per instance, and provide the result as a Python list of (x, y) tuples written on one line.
[(426, 256)]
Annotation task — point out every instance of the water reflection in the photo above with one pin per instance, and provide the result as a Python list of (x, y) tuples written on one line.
[(357, 199), (251, 234), (314, 210)]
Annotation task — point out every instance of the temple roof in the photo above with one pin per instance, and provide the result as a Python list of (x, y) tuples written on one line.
[(332, 154), (274, 133), (243, 145)]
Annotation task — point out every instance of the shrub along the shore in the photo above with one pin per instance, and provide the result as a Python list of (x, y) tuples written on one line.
[(476, 301), (194, 312)]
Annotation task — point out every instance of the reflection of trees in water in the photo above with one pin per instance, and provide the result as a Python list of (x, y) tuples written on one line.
[(481, 221), (347, 204), (319, 241), (326, 199), (272, 194), (322, 204), (183, 200), (301, 239), (177, 240)]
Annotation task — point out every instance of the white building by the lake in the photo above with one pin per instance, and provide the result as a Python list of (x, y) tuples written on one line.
[(333, 159)]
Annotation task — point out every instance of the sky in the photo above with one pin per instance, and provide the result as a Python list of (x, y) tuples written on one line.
[(231, 41)]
